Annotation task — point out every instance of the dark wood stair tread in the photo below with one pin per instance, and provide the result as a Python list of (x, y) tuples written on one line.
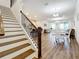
[(11, 42), (34, 58), (4, 53), (24, 55)]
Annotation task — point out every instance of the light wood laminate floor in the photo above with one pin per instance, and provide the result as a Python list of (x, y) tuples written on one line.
[(59, 52)]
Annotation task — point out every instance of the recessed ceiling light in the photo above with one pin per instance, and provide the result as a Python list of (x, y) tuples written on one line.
[(56, 15), (59, 18), (35, 16), (27, 13)]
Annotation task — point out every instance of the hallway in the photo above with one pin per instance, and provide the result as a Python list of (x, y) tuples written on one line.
[(59, 52)]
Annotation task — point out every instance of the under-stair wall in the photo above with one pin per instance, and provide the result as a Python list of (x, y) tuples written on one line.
[(5, 3), (16, 11)]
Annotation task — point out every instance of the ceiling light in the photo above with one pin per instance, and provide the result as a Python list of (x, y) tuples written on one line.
[(58, 18), (56, 15), (56, 8), (35, 16), (27, 13)]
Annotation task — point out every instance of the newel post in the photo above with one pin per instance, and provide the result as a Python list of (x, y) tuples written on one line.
[(39, 42)]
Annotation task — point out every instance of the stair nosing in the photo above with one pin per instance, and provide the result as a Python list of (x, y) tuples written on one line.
[(13, 31), (4, 53), (11, 36), (11, 42), (25, 54)]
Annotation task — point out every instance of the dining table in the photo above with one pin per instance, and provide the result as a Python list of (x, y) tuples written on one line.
[(59, 38)]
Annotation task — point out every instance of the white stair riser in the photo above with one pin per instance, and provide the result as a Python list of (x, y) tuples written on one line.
[(7, 47), (10, 56), (9, 29), (10, 25), (10, 22), (3, 40), (13, 33)]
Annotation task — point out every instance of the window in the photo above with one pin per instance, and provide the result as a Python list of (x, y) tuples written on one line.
[(53, 26), (61, 26), (64, 26)]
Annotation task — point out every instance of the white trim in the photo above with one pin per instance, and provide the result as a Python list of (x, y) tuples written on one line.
[(31, 40), (28, 36)]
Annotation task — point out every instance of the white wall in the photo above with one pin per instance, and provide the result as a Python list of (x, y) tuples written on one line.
[(77, 28), (16, 9), (5, 3), (77, 22)]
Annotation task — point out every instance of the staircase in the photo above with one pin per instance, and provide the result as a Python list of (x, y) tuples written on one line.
[(35, 58), (14, 44)]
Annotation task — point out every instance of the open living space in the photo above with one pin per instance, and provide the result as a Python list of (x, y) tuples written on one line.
[(39, 29)]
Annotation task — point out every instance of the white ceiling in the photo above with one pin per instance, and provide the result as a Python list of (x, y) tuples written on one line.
[(44, 9)]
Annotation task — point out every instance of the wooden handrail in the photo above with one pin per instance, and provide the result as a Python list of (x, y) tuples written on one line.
[(28, 19), (39, 31)]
